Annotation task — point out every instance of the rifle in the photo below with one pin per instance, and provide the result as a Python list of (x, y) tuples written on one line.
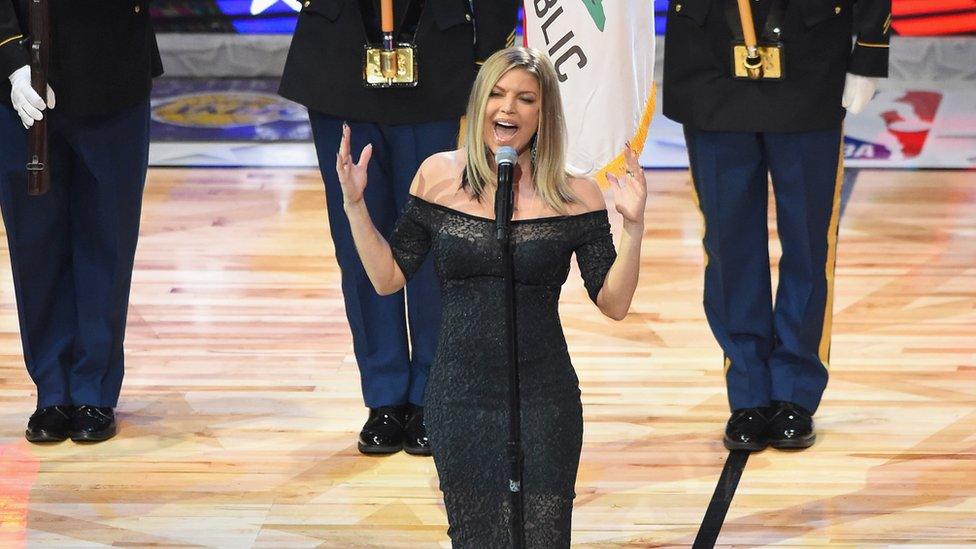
[(38, 173)]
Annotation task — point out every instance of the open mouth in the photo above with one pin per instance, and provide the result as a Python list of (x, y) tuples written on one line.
[(505, 131)]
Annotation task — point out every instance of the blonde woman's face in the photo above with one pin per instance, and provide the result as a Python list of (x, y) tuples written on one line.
[(512, 112)]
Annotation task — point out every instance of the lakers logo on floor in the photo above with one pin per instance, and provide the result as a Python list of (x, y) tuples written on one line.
[(226, 110)]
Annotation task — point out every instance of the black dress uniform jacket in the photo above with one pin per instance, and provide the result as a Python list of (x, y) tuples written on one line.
[(324, 70), (103, 53), (700, 92)]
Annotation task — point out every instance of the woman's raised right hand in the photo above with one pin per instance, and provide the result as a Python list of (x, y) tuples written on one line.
[(352, 176)]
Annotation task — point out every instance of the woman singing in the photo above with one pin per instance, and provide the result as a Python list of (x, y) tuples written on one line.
[(515, 102)]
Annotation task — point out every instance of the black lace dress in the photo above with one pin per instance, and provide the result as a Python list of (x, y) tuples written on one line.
[(466, 408)]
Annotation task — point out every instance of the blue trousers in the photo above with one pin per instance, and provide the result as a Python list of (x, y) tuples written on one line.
[(71, 250), (772, 351), (392, 369)]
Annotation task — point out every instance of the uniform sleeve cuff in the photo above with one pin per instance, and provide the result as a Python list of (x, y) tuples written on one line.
[(869, 59), (13, 54)]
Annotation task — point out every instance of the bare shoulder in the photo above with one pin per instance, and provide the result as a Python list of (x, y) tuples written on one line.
[(589, 194), (438, 175)]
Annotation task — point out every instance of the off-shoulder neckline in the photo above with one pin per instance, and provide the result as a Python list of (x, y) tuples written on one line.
[(492, 220)]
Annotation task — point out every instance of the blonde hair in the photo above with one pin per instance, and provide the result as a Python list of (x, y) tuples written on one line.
[(549, 168)]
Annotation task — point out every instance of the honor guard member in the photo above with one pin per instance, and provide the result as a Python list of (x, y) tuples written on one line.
[(335, 68), (761, 88), (71, 248)]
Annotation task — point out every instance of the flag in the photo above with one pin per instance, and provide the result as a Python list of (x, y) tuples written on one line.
[(603, 51)]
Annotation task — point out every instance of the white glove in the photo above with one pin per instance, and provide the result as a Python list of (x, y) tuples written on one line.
[(25, 100), (858, 90)]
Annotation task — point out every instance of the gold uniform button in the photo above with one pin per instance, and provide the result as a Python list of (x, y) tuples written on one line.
[(307, 3), (467, 17), (677, 7), (137, 9), (837, 10)]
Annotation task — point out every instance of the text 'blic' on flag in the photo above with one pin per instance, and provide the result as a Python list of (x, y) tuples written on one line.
[(603, 51)]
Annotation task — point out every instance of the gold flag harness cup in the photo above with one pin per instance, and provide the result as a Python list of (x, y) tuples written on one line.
[(751, 59), (388, 62)]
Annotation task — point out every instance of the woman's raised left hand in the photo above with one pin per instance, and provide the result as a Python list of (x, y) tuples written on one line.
[(630, 190)]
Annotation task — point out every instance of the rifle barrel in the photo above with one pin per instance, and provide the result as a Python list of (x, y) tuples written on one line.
[(38, 171)]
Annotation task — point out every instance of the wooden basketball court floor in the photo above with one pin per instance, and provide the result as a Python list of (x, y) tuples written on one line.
[(241, 402)]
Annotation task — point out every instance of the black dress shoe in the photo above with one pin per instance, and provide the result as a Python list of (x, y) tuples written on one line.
[(791, 427), (746, 430), (93, 424), (49, 424), (415, 433), (383, 431)]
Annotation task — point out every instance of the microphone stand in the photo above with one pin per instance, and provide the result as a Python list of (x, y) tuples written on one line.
[(503, 218)]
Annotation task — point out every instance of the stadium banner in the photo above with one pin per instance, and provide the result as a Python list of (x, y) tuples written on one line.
[(910, 17), (904, 126)]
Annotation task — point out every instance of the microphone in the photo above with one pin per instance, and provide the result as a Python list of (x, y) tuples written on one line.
[(505, 160)]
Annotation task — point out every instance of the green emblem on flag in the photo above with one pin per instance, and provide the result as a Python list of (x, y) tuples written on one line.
[(595, 7)]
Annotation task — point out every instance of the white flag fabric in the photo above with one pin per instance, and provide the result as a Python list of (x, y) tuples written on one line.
[(603, 51)]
